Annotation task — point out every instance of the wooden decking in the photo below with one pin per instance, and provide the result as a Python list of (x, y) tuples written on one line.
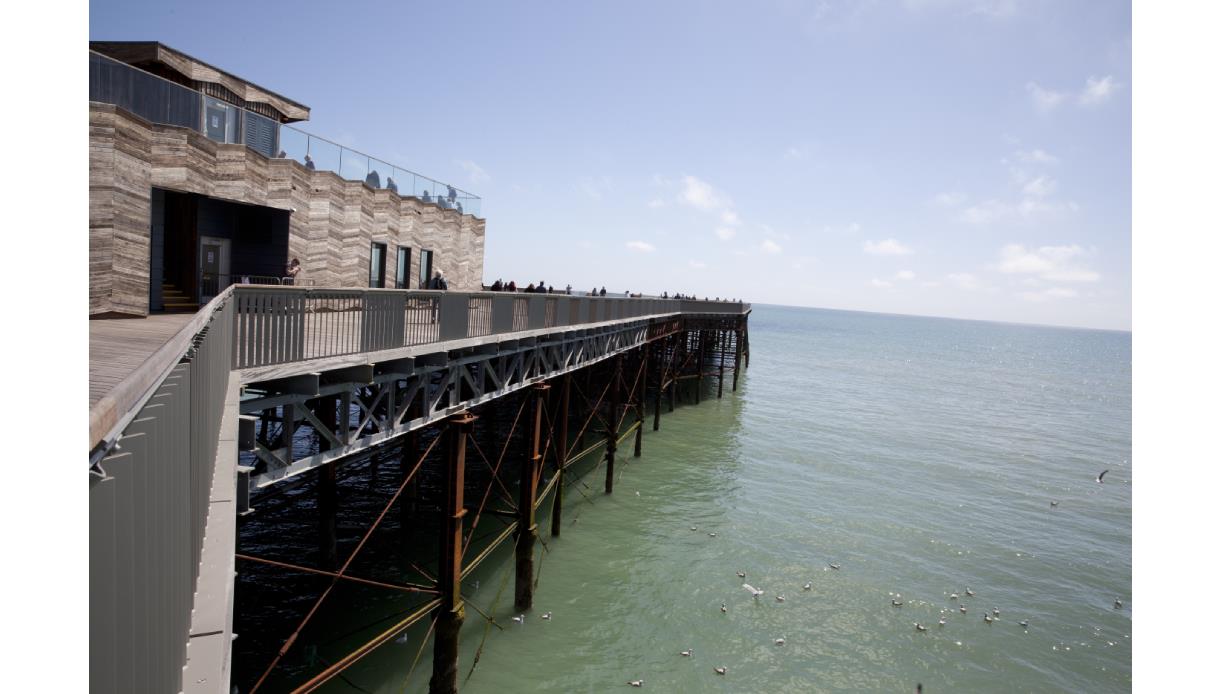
[(118, 346)]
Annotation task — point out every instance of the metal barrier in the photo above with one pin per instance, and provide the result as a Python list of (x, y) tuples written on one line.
[(148, 505), (279, 325)]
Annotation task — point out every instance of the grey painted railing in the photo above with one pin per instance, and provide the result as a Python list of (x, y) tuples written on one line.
[(148, 506), (280, 325)]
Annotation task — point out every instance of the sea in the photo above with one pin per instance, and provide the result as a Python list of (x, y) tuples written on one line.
[(908, 470)]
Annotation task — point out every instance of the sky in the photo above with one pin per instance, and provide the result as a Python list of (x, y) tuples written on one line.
[(961, 158)]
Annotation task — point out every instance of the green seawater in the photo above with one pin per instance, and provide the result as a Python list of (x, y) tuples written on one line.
[(920, 455)]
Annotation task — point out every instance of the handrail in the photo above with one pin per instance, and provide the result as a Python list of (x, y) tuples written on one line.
[(109, 415)]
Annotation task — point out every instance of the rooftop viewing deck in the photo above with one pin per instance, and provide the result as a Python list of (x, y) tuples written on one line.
[(162, 101)]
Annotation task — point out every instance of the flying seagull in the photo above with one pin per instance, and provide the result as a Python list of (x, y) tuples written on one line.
[(753, 591), (1103, 474)]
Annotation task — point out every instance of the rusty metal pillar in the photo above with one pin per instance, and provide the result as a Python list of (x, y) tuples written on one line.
[(641, 396), (722, 337), (561, 457), (527, 498), (656, 404), (699, 351), (452, 611), (679, 355), (736, 356), (612, 428)]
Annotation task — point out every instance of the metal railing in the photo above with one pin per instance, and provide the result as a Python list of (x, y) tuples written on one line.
[(159, 100), (148, 505), (279, 325)]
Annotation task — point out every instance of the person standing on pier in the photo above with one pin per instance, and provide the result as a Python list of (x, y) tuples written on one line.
[(294, 269)]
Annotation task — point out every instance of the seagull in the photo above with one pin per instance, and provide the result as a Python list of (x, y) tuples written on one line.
[(962, 608), (546, 615), (835, 567), (779, 641), (807, 586), (941, 622), (741, 574), (711, 534), (1103, 474), (720, 670), (637, 493), (953, 596), (920, 627), (520, 619), (723, 607), (896, 603), (636, 683), (995, 611), (987, 618), (1024, 623), (779, 598), (688, 652), (401, 639), (753, 591), (694, 528), (1118, 604), (1054, 504), (969, 592)]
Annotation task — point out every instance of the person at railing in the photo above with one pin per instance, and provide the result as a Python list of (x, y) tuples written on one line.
[(426, 197), (568, 291), (452, 195), (497, 286), (309, 163), (282, 155), (294, 269), (458, 206), (530, 289), (438, 281), (373, 180), (390, 184), (603, 292)]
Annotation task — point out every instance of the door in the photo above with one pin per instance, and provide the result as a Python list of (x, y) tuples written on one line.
[(425, 268), (401, 277), (213, 267), (377, 266)]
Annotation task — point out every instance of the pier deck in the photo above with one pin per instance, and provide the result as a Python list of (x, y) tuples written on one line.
[(118, 346)]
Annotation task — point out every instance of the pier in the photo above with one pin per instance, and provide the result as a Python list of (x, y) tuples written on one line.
[(493, 398)]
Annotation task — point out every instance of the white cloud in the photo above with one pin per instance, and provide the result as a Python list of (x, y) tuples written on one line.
[(655, 203), (725, 233), (730, 218), (949, 199), (1097, 91), (1037, 156), (1049, 294), (701, 195), (1039, 187), (474, 172), (769, 246), (904, 275), (881, 284), (697, 264), (886, 247), (1051, 263), (641, 246), (1045, 100), (963, 280)]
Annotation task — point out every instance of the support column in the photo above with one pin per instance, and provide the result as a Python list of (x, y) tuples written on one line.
[(736, 356), (612, 429), (700, 352), (527, 529), (561, 458), (722, 338), (452, 611), (639, 401), (656, 404), (328, 501)]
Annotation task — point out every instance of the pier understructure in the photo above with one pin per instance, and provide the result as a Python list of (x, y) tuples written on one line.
[(492, 404)]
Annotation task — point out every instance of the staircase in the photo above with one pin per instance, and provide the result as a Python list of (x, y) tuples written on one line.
[(174, 300)]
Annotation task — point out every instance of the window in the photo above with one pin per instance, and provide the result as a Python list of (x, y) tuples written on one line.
[(220, 120), (425, 268), (402, 276), (377, 266)]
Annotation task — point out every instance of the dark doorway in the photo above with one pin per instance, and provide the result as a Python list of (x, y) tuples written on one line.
[(377, 266), (425, 268), (402, 275)]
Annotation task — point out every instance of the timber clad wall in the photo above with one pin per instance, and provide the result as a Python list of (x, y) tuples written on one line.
[(331, 231)]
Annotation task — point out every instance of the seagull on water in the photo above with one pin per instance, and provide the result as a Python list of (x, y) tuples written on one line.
[(920, 627), (753, 591), (1118, 604), (723, 607), (741, 574), (519, 619), (1024, 623), (807, 586), (779, 641), (779, 598), (694, 528), (953, 596), (636, 683), (987, 618), (962, 608), (688, 652), (720, 670), (835, 567), (1103, 474), (1054, 504), (969, 592), (711, 534), (546, 615), (896, 603), (941, 622)]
